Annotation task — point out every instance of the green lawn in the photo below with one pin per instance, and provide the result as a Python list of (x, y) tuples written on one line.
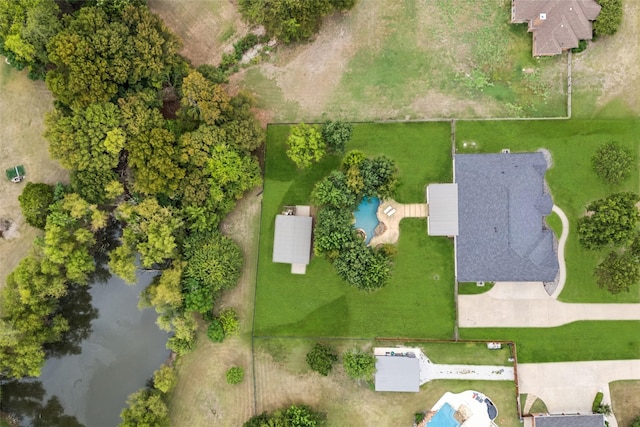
[(592, 340), (456, 353), (472, 288), (418, 301), (572, 143)]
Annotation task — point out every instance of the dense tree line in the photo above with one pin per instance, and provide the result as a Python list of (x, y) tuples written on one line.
[(337, 196), (164, 178), (293, 416)]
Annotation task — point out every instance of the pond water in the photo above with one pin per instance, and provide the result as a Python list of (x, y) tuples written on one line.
[(366, 218), (117, 349)]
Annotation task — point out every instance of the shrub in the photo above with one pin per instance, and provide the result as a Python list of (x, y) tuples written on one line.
[(244, 44), (235, 375), (582, 46), (230, 322), (613, 163), (321, 359), (636, 422), (215, 331), (609, 19), (419, 416), (34, 203), (293, 416), (359, 365), (597, 401), (604, 409)]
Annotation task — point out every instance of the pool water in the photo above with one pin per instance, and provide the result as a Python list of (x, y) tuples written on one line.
[(366, 217), (444, 418)]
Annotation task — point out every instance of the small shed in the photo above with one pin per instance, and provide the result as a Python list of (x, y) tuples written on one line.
[(443, 209), (292, 241), (569, 420), (397, 373)]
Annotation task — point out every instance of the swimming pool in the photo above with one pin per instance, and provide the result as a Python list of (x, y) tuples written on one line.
[(366, 217), (444, 418)]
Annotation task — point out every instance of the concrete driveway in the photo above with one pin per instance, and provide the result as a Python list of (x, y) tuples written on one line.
[(570, 387)]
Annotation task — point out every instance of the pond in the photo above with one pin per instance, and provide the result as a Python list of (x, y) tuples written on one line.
[(111, 352), (366, 218)]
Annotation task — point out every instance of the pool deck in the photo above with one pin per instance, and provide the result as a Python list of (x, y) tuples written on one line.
[(392, 223)]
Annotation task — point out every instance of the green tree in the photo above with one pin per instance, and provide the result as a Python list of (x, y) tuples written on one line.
[(165, 379), (608, 21), (332, 231), (321, 359), (215, 332), (305, 145), (230, 321), (293, 416), (636, 422), (380, 177), (234, 375), (363, 267), (617, 272), (145, 408), (609, 221), (242, 129), (613, 163), (334, 191), (184, 327), (336, 134), (203, 100), (25, 29), (358, 364), (34, 203), (214, 263), (290, 20)]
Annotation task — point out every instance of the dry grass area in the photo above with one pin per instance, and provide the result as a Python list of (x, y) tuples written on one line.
[(202, 395), (608, 72), (625, 396), (207, 27), (23, 105)]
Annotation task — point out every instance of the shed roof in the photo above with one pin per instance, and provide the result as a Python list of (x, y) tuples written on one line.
[(397, 373), (443, 209), (590, 420), (292, 240), (501, 205)]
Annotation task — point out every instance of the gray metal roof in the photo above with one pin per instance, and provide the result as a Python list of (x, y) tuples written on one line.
[(501, 205), (591, 420), (292, 240), (443, 209), (397, 373)]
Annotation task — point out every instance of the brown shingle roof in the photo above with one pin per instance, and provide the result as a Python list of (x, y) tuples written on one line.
[(557, 25)]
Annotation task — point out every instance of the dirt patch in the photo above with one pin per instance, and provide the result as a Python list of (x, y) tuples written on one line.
[(23, 105), (610, 65), (625, 397), (207, 27)]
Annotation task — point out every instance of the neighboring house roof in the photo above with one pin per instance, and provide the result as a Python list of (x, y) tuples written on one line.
[(557, 25), (591, 420), (443, 209), (397, 373), (501, 205), (292, 240)]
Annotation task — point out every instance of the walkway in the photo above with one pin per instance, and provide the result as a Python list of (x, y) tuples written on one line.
[(392, 223), (561, 244), (570, 387)]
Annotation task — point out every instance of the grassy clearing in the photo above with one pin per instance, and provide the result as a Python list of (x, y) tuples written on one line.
[(411, 59), (472, 288), (538, 407), (573, 184), (283, 378), (202, 395), (625, 397), (23, 105), (321, 304), (585, 340)]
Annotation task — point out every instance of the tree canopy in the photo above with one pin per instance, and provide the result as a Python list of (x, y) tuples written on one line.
[(336, 134), (321, 359), (609, 221), (145, 408), (358, 364), (613, 163), (305, 145), (608, 21), (34, 203), (617, 272)]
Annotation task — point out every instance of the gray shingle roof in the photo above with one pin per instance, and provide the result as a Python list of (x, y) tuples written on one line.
[(292, 240), (565, 22), (595, 420), (397, 373), (501, 204), (443, 209)]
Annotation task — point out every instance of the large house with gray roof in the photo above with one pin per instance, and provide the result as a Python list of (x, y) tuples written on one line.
[(556, 25), (502, 202)]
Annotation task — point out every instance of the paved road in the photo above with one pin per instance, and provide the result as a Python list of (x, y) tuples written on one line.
[(570, 387)]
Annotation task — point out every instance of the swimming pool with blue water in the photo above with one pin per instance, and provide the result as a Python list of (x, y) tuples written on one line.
[(366, 217), (444, 418)]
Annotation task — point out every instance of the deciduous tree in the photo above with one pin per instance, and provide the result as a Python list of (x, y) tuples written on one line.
[(617, 272), (336, 134), (145, 408), (609, 221), (321, 359), (609, 19), (203, 100), (34, 203), (613, 163), (305, 145), (358, 364)]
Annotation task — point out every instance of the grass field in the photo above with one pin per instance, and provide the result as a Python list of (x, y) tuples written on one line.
[(281, 370), (625, 397), (472, 288), (573, 184), (461, 353), (585, 340), (418, 301), (23, 105)]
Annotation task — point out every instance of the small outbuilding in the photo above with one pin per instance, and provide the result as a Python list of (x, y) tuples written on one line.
[(397, 373), (578, 420), (443, 209), (292, 240)]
